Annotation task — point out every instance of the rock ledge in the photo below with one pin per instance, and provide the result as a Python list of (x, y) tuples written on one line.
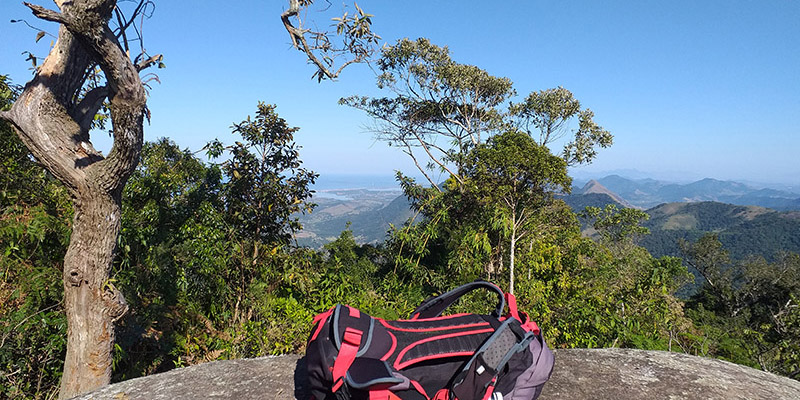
[(622, 374)]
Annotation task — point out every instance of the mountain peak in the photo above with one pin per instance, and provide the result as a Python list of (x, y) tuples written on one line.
[(594, 186)]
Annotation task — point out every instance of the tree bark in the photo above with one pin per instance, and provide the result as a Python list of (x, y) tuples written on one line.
[(91, 302), (513, 250), (50, 119)]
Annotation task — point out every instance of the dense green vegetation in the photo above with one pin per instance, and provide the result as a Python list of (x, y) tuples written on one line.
[(748, 310), (209, 269)]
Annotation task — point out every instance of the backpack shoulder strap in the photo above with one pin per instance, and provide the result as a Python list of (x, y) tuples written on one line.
[(434, 306)]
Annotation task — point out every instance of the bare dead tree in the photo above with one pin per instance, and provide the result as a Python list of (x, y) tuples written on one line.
[(53, 116), (91, 69)]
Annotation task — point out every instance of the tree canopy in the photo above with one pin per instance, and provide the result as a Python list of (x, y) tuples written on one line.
[(439, 109)]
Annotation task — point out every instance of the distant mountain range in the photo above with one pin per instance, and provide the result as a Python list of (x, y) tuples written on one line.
[(647, 193), (748, 220)]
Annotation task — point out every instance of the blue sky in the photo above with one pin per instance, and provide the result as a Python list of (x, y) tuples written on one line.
[(689, 89)]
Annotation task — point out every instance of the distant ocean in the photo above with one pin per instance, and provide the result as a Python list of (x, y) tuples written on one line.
[(372, 182)]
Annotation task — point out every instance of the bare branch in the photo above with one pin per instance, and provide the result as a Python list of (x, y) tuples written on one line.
[(410, 153), (434, 146), (45, 14), (144, 64), (299, 40), (294, 33), (353, 61), (358, 40), (122, 28), (41, 31), (451, 120), (124, 25), (433, 158)]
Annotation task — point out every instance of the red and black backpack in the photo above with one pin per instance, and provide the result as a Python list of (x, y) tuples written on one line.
[(351, 355)]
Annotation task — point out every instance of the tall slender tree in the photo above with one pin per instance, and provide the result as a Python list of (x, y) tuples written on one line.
[(513, 178)]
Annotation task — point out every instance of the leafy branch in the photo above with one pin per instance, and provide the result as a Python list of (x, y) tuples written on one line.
[(358, 41)]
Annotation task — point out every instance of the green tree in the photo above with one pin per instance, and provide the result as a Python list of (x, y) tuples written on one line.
[(438, 113), (206, 250), (710, 260), (266, 185), (265, 190), (92, 67), (604, 292), (513, 177), (615, 225), (171, 247), (440, 109), (550, 112)]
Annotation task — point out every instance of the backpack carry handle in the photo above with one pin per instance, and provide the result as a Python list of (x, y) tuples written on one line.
[(434, 306)]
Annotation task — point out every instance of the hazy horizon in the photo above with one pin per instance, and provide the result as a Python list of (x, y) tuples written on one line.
[(343, 181)]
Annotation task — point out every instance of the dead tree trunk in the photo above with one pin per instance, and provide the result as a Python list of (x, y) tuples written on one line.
[(54, 121), (91, 302)]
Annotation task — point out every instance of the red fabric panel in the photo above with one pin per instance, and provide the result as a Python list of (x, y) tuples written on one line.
[(512, 306)]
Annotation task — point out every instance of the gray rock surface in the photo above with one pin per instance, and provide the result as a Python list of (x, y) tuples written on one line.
[(639, 374), (622, 374), (267, 378)]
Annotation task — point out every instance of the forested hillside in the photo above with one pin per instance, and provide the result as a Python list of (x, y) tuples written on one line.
[(743, 230)]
